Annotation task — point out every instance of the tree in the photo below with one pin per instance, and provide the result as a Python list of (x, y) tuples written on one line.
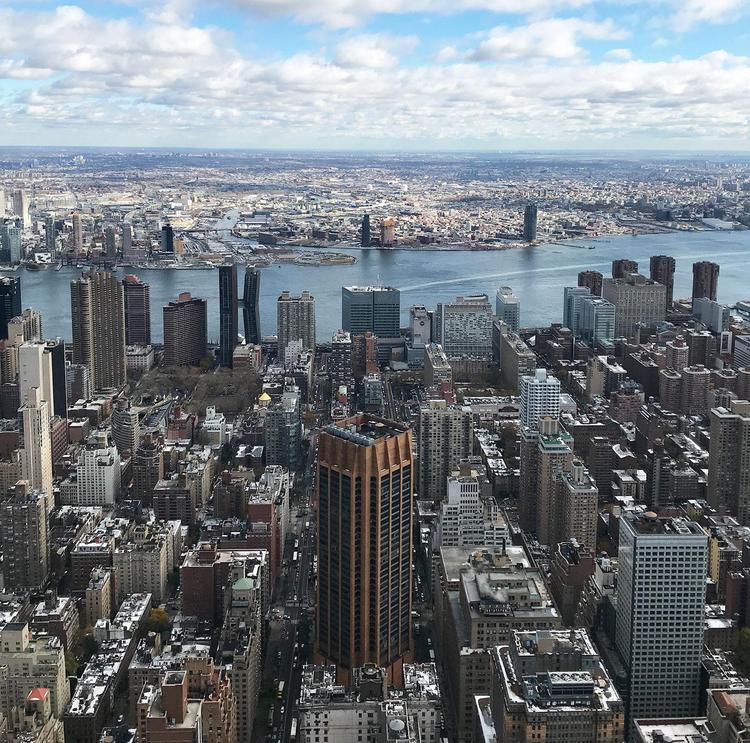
[(743, 651), (158, 621)]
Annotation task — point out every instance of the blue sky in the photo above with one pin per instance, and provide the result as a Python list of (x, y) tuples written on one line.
[(378, 74)]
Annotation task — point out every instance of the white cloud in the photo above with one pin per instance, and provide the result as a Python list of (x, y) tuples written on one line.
[(555, 38), (378, 51), (689, 13)]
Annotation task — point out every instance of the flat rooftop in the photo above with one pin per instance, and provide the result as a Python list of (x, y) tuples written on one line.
[(365, 430)]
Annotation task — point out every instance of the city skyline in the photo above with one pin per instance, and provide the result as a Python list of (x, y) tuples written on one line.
[(475, 75)]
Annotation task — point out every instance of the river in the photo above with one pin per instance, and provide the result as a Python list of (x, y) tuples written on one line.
[(537, 275)]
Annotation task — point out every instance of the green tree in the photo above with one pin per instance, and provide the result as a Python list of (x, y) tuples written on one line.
[(158, 621), (743, 651)]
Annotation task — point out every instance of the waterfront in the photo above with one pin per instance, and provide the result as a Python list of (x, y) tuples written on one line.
[(537, 275)]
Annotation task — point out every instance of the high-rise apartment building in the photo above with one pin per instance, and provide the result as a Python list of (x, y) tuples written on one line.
[(637, 300), (185, 331), (24, 327), (24, 535), (596, 321), (366, 233), (126, 431), (729, 460), (530, 214), (705, 279), (283, 431), (295, 321), (622, 266), (49, 234), (110, 241), (661, 594), (77, 234), (576, 507), (540, 398), (340, 362), (35, 370), (696, 382), (508, 307), (572, 297), (167, 238), (137, 299), (147, 467), (21, 207), (464, 327), (592, 280), (365, 509), (444, 439), (662, 269), (98, 319), (127, 240), (56, 349), (98, 475), (36, 444), (227, 313), (678, 354), (10, 302), (251, 305)]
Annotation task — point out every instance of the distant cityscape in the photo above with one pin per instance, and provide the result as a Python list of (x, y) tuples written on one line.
[(467, 527)]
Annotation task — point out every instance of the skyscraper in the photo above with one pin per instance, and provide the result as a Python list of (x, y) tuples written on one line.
[(364, 545), (125, 427), (56, 349), (705, 279), (127, 239), (591, 279), (185, 331), (110, 241), (49, 234), (36, 451), (98, 319), (661, 593), (10, 302), (508, 307), (373, 308), (444, 440), (540, 398), (21, 207), (24, 522), (662, 269), (167, 238), (35, 370), (227, 313), (77, 234), (366, 236), (251, 305), (529, 222), (729, 460), (597, 320), (572, 296), (295, 321), (621, 266), (137, 299)]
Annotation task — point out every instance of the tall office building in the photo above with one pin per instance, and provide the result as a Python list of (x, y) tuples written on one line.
[(166, 243), (126, 430), (24, 524), (21, 207), (373, 308), (35, 370), (592, 280), (530, 214), (662, 269), (729, 460), (49, 234), (596, 320), (366, 234), (705, 279), (251, 305), (36, 440), (137, 298), (621, 266), (185, 331), (637, 300), (56, 349), (444, 435), (127, 240), (110, 241), (295, 321), (340, 368), (540, 398), (464, 327), (227, 313), (508, 307), (572, 296), (77, 235), (10, 302), (661, 594), (98, 319), (365, 508)]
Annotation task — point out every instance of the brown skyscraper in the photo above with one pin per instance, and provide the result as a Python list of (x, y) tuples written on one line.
[(364, 545), (137, 311), (662, 271), (98, 320), (705, 279), (591, 279), (185, 331), (621, 266)]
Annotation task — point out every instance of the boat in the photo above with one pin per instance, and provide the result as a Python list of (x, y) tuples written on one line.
[(31, 266)]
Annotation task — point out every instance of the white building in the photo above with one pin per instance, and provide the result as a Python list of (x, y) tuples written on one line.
[(35, 370), (540, 398), (98, 475), (661, 588), (464, 327), (572, 297), (596, 320), (508, 307), (36, 454)]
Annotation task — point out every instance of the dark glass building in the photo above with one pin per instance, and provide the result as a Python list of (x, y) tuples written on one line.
[(529, 223), (705, 279), (10, 302), (662, 269), (227, 313), (251, 305)]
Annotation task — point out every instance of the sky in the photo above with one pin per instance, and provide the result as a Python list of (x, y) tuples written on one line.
[(412, 75)]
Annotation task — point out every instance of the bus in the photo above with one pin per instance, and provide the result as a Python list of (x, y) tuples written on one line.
[(280, 692), (293, 730), (294, 557)]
